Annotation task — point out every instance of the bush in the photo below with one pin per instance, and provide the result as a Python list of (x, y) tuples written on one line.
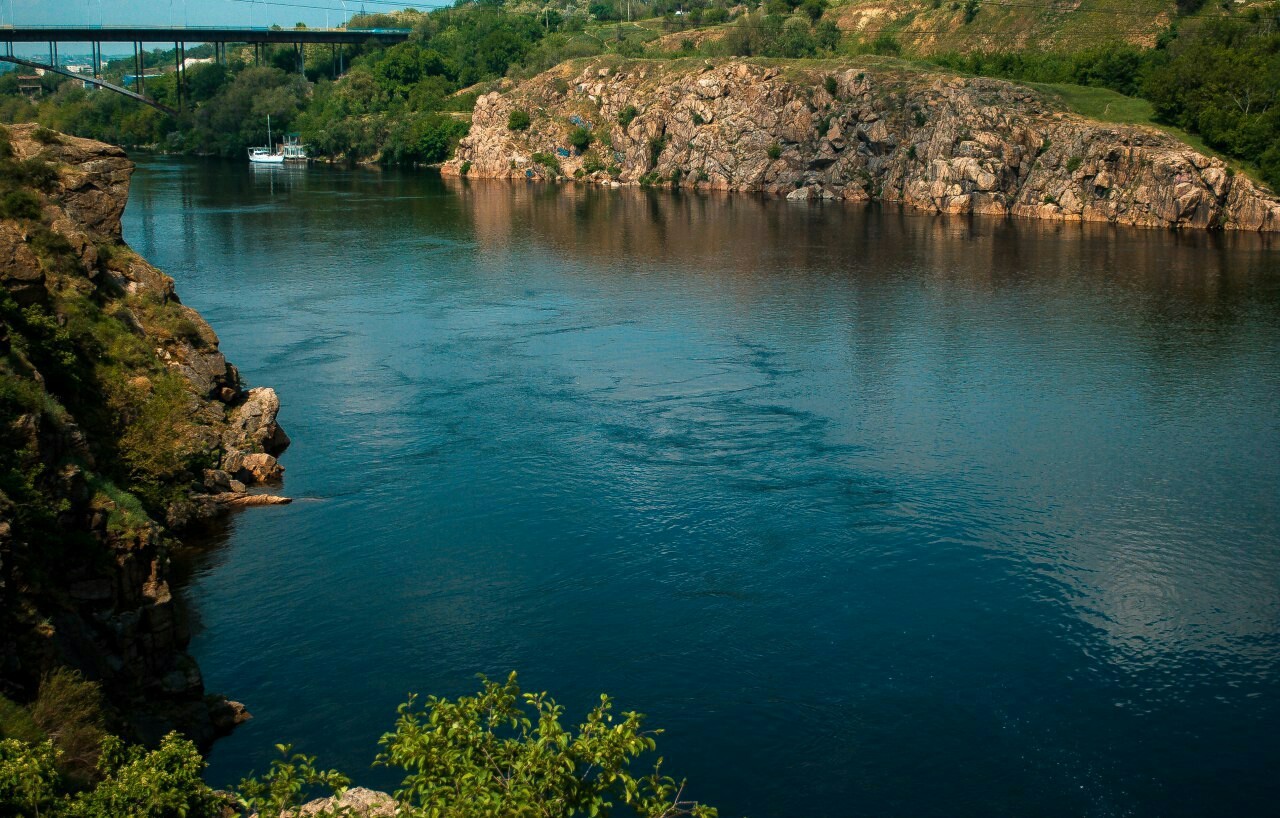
[(626, 115), (886, 45), (21, 204), (505, 752), (502, 752), (68, 708), (774, 151), (580, 139), (832, 87), (518, 121), (656, 146), (46, 137)]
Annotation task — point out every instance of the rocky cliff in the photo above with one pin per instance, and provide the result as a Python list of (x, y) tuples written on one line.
[(875, 131), (122, 423)]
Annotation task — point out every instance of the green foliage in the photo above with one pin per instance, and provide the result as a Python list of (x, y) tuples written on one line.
[(779, 35), (547, 160), (16, 723), (886, 45), (68, 709), (423, 139), (518, 120), (292, 780), (829, 83), (580, 139), (774, 151), (506, 752), (656, 146), (970, 10), (139, 783), (28, 777), (21, 204), (626, 116), (1220, 78), (1073, 164), (502, 752), (46, 137)]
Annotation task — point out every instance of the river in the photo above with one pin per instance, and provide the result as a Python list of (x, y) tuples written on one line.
[(874, 512)]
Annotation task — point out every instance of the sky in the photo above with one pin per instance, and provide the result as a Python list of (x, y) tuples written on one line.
[(315, 13)]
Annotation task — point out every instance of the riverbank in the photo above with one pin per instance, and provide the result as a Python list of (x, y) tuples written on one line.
[(862, 131), (125, 425)]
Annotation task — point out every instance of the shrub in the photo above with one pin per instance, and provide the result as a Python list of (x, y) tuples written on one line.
[(46, 137), (68, 708), (507, 749), (21, 204), (774, 151), (547, 160), (886, 45), (656, 146), (1073, 164), (518, 121), (465, 169), (580, 139), (829, 83), (626, 115)]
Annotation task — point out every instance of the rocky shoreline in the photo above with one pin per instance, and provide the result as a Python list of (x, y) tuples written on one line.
[(111, 612), (874, 131)]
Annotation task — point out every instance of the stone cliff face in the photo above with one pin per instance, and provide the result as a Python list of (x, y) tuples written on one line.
[(930, 140), (122, 422)]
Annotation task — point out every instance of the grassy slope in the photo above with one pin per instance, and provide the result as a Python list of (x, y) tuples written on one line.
[(1045, 24)]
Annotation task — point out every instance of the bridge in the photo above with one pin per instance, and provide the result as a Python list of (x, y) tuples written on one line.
[(181, 36)]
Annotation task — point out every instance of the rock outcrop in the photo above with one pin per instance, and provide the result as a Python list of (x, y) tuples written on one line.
[(926, 139), (122, 423)]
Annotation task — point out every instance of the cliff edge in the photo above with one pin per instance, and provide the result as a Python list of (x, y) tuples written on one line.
[(879, 131), (121, 423)]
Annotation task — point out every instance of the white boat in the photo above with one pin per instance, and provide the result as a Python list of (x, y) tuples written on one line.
[(266, 155)]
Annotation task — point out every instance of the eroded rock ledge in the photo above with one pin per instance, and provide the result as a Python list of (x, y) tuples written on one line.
[(926, 139)]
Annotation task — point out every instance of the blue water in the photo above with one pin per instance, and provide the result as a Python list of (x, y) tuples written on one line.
[(876, 513)]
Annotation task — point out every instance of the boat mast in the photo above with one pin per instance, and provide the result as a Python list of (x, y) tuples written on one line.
[(270, 147)]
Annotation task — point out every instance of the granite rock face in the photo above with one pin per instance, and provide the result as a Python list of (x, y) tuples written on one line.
[(930, 140), (104, 605)]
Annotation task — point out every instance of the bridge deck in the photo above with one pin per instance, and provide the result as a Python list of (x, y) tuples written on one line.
[(196, 34)]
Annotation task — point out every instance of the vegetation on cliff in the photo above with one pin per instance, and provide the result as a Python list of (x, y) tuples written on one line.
[(501, 752), (120, 422)]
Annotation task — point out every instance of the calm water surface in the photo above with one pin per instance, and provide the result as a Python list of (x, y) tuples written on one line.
[(876, 513)]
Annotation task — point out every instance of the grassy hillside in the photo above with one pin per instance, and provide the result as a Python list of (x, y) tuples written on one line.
[(928, 26)]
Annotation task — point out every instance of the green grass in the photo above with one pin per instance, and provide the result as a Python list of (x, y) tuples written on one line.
[(1100, 103)]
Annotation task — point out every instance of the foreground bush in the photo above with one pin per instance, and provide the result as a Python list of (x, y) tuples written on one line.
[(502, 752)]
